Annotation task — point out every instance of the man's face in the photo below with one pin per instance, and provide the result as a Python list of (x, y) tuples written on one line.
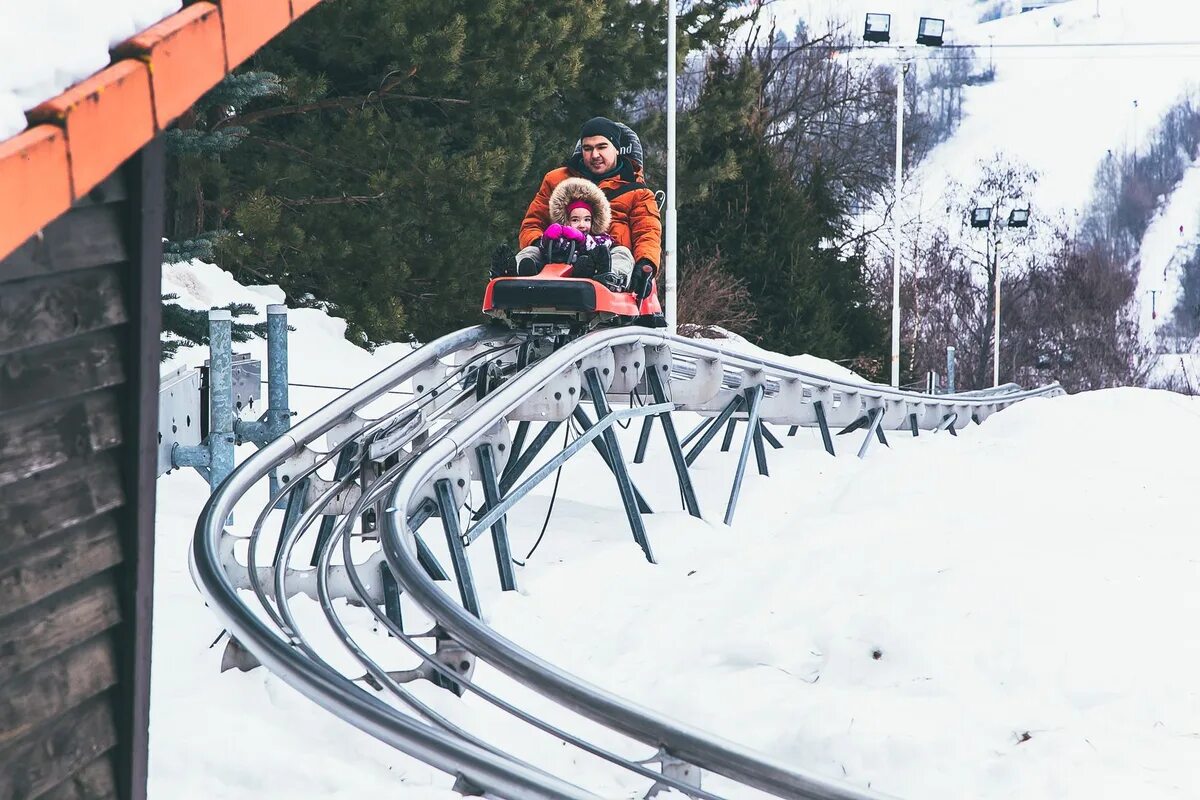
[(599, 155)]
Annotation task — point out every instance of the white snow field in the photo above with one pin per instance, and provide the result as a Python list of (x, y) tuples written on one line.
[(1002, 614)]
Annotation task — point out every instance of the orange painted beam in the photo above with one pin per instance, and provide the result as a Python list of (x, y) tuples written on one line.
[(107, 118), (249, 24), (35, 183), (301, 6), (186, 55)]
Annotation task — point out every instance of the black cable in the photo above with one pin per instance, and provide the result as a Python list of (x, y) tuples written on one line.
[(553, 497)]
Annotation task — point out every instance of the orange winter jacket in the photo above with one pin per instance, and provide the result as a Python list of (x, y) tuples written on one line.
[(635, 224)]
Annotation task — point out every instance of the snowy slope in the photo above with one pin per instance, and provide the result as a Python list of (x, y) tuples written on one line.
[(1036, 575), (1063, 98)]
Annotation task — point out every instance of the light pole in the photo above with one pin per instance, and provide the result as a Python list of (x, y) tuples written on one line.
[(983, 217), (929, 32), (669, 269)]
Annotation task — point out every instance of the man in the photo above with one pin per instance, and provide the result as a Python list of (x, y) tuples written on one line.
[(635, 217)]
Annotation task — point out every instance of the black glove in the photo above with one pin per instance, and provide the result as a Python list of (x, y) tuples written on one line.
[(503, 261), (613, 281), (641, 283), (559, 251)]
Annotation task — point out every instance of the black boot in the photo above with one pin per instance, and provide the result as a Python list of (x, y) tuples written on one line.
[(503, 262), (527, 267), (613, 281)]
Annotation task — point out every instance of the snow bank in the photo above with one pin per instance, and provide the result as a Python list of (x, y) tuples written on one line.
[(52, 44)]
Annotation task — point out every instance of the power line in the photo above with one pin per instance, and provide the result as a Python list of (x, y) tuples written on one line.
[(338, 388)]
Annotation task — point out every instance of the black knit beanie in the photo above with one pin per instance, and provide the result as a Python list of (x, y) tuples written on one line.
[(602, 126)]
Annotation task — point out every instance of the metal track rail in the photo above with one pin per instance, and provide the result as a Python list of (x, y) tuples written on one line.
[(416, 461)]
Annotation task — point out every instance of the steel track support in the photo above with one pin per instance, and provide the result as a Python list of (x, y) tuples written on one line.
[(861, 422), (425, 556), (345, 462), (601, 445), (874, 418), (792, 431), (760, 452), (659, 392), (696, 431), (518, 440), (292, 512), (491, 496), (643, 440), (518, 464), (448, 511), (770, 437), (617, 464), (753, 399), (947, 423), (912, 424), (714, 428), (730, 428), (819, 408), (391, 595)]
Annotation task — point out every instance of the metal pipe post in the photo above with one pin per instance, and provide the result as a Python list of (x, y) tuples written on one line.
[(996, 334), (220, 394), (901, 70), (670, 273), (279, 416), (950, 370)]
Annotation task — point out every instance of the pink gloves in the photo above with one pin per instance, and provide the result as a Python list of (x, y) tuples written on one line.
[(557, 231)]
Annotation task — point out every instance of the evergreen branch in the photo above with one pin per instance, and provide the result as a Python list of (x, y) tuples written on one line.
[(291, 148), (343, 103), (344, 199)]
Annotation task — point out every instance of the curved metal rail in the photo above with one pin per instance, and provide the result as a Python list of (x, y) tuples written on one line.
[(418, 459)]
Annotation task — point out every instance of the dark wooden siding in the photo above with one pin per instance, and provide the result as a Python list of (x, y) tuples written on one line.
[(79, 329)]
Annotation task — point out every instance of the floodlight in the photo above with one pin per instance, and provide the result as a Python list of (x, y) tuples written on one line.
[(879, 28), (930, 30), (981, 217), (1018, 218)]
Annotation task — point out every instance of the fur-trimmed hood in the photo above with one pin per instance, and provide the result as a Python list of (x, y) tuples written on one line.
[(572, 189)]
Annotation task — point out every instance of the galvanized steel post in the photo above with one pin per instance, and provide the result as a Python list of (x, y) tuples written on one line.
[(279, 416), (220, 395), (949, 370)]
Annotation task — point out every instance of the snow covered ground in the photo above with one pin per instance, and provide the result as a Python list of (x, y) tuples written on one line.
[(999, 615), (52, 44)]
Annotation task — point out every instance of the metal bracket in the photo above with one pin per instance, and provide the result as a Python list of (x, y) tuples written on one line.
[(672, 767)]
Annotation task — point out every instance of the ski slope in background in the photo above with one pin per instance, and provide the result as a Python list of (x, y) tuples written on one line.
[(1028, 588), (1102, 88)]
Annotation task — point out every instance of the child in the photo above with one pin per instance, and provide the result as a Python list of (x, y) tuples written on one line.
[(579, 236)]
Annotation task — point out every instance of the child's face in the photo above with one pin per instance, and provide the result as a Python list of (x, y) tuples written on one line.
[(580, 220)]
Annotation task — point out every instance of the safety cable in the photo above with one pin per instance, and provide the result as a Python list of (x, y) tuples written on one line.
[(553, 497)]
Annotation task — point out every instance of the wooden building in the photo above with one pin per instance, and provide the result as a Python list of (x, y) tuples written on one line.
[(81, 222)]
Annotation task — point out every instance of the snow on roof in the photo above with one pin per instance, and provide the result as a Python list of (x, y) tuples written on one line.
[(53, 44)]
